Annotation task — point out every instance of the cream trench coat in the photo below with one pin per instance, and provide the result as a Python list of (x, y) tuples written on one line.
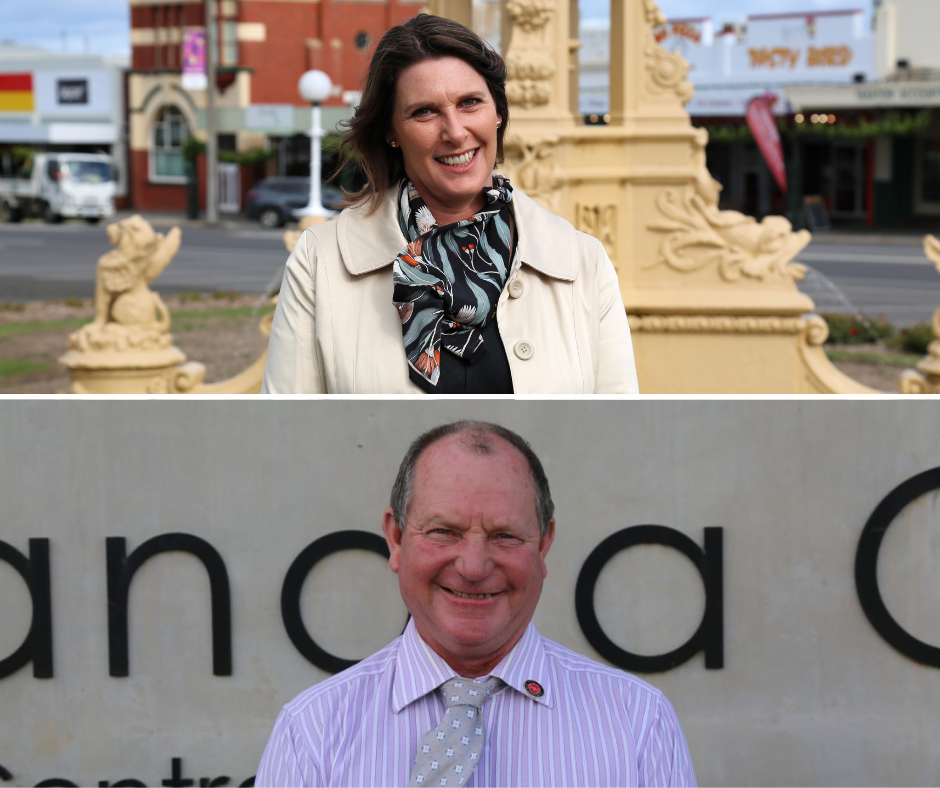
[(336, 331)]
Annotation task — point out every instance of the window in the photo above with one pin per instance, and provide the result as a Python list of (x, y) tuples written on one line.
[(363, 40), (229, 42), (170, 130)]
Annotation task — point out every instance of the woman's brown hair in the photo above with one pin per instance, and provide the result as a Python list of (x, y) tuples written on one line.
[(422, 38)]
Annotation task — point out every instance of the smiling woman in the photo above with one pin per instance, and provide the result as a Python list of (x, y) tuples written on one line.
[(488, 292)]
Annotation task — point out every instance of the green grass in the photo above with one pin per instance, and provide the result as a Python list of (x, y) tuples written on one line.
[(10, 329), (878, 359), (240, 311), (14, 366)]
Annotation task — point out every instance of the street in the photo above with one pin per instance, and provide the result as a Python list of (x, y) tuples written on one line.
[(41, 262), (883, 277)]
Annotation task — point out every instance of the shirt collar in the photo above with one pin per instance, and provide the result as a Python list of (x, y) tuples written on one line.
[(420, 669), (546, 242)]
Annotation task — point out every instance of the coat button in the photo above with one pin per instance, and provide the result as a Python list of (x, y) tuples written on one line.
[(524, 350), (515, 288)]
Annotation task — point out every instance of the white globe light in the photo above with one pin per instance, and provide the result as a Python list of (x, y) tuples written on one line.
[(315, 86)]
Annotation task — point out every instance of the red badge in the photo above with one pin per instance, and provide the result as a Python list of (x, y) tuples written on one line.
[(534, 689)]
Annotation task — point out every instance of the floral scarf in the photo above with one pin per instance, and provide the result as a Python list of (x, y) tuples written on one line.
[(448, 279)]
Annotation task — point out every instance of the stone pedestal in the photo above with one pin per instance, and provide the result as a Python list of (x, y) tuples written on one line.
[(142, 372)]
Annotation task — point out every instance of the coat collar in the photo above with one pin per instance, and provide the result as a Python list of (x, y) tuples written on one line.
[(547, 243)]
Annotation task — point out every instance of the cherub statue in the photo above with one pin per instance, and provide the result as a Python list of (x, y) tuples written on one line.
[(128, 314)]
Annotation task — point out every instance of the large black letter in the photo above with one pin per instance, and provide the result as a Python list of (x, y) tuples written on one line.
[(121, 570), (866, 568), (38, 643), (709, 637), (309, 557)]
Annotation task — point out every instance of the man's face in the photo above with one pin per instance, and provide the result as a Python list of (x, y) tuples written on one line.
[(471, 560)]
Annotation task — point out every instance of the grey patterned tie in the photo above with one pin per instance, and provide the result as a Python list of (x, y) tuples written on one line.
[(448, 753)]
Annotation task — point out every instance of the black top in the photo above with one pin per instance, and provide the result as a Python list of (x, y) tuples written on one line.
[(489, 374)]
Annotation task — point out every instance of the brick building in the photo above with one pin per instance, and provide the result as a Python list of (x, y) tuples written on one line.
[(263, 48)]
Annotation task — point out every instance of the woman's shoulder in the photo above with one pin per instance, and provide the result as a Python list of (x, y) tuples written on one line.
[(547, 234)]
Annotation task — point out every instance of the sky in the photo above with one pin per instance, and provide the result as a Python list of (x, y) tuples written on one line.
[(102, 25)]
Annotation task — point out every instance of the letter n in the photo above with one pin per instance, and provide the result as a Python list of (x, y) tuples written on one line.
[(121, 570), (37, 647)]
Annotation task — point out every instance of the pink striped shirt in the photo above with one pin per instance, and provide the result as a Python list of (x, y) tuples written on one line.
[(593, 725)]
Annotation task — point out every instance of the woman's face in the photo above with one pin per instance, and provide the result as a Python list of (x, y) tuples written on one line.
[(444, 120)]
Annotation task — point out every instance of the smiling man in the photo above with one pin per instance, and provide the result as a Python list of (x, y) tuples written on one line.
[(471, 694)]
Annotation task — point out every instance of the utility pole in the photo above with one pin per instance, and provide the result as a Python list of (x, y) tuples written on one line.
[(212, 181)]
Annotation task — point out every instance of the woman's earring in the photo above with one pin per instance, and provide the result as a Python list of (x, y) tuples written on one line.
[(392, 143), (499, 123)]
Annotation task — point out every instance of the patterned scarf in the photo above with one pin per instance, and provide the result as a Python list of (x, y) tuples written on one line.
[(448, 279)]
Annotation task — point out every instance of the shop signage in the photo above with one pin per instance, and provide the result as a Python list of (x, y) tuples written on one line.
[(16, 92), (831, 97), (72, 91), (764, 128), (194, 60)]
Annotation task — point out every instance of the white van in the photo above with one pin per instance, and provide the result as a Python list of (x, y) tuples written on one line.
[(60, 185)]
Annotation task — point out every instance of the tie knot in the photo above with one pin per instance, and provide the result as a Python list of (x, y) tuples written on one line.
[(467, 692)]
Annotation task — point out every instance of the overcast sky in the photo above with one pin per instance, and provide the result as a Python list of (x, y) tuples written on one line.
[(102, 25)]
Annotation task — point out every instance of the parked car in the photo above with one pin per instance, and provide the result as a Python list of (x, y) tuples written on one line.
[(273, 201), (60, 185)]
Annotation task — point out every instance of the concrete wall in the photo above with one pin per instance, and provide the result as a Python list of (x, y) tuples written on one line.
[(809, 693)]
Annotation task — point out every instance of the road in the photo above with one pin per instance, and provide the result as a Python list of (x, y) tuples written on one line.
[(883, 277), (41, 262)]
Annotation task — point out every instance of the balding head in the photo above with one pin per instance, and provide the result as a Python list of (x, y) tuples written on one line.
[(480, 438)]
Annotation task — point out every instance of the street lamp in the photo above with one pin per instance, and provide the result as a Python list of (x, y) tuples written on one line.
[(315, 87)]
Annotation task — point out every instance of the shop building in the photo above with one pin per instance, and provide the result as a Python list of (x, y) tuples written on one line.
[(898, 161), (52, 101), (857, 102), (263, 48)]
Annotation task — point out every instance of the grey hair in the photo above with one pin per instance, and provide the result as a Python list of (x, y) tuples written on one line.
[(478, 434)]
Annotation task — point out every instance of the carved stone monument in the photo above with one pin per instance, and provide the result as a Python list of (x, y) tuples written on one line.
[(926, 378), (711, 295), (128, 348)]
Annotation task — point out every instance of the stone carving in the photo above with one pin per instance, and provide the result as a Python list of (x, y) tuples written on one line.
[(536, 66), (530, 15), (666, 71), (531, 165), (128, 314), (530, 64), (719, 324), (701, 236), (601, 222), (528, 93), (926, 380), (705, 185), (654, 15)]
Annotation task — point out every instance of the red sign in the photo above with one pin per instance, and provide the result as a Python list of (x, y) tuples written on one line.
[(764, 128)]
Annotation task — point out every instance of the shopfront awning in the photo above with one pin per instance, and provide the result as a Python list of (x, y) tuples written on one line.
[(873, 95)]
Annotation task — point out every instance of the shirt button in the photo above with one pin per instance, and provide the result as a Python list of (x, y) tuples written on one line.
[(523, 350), (515, 288)]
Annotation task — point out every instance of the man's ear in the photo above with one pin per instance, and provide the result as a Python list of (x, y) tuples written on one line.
[(392, 538), (545, 543)]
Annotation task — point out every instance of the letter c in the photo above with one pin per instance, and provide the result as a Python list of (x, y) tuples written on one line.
[(866, 568)]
